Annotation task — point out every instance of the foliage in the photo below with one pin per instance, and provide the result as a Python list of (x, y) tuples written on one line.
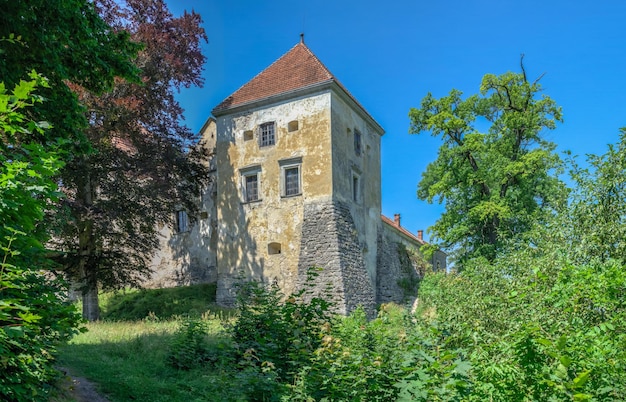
[(275, 335), (191, 347), (357, 359), (33, 317), (119, 196), (413, 266), (597, 216), (535, 324), (495, 184), (66, 42)]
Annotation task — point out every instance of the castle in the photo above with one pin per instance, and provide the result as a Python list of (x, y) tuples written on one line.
[(295, 183)]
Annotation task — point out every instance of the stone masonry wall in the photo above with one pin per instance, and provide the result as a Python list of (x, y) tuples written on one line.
[(330, 241), (394, 269)]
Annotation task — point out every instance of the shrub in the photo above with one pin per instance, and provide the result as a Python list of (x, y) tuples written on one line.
[(192, 348), (33, 316)]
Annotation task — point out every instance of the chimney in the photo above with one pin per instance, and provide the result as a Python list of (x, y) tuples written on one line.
[(420, 235), (396, 219)]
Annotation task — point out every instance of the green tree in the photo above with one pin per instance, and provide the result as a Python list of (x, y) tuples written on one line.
[(143, 162), (495, 183), (33, 317), (66, 41), (597, 215)]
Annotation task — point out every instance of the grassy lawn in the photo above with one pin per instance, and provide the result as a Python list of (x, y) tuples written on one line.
[(127, 360)]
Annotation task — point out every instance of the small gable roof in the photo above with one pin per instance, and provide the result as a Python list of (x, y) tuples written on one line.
[(297, 69)]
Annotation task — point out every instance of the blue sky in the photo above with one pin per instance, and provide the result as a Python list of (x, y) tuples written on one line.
[(391, 54)]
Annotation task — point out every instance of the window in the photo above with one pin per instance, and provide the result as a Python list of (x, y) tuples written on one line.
[(182, 221), (357, 142), (292, 180), (292, 126), (248, 135), (250, 183), (252, 188), (356, 193), (267, 135), (290, 177), (273, 248)]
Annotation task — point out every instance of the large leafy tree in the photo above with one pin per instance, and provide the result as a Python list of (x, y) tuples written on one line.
[(65, 41), (143, 162), (495, 171)]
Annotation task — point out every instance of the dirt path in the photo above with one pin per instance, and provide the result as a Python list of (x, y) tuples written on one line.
[(79, 388)]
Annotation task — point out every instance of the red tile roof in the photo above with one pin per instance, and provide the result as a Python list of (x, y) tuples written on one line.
[(298, 68), (401, 229)]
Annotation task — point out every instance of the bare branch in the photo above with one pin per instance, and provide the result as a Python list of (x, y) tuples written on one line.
[(540, 77)]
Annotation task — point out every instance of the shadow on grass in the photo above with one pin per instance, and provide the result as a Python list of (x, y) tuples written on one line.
[(184, 301), (136, 369)]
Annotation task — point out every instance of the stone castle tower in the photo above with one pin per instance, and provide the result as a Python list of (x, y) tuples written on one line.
[(296, 184)]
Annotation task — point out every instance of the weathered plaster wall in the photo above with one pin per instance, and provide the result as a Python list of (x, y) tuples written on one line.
[(191, 257), (245, 230), (347, 164)]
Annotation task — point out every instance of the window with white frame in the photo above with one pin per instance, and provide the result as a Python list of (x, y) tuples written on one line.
[(182, 221), (251, 183), (291, 177), (267, 134)]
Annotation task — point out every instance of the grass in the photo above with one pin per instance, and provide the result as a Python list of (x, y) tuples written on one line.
[(160, 303), (128, 359)]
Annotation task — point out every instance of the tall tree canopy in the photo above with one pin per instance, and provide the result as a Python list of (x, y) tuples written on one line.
[(64, 41), (494, 183), (143, 162), (44, 45)]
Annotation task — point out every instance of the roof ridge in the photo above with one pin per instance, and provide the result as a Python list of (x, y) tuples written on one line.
[(259, 87), (294, 70), (262, 71)]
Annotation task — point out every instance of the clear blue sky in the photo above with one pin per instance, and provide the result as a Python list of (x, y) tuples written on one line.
[(389, 54)]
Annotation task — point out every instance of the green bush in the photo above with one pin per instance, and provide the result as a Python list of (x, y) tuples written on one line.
[(535, 327), (192, 348), (33, 316)]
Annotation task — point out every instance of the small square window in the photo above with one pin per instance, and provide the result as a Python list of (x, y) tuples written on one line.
[(182, 221), (267, 134), (358, 145)]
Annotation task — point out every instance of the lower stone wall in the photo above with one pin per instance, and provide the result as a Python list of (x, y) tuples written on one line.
[(330, 242), (398, 274)]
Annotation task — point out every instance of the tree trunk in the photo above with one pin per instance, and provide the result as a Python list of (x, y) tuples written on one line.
[(91, 305), (88, 275)]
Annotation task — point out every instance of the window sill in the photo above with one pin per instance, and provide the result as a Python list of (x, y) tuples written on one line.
[(252, 202), (291, 195)]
